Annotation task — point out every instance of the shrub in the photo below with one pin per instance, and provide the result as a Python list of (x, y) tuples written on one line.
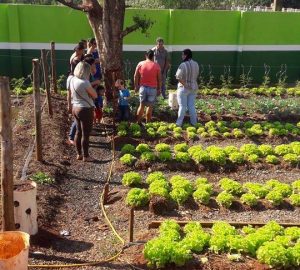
[(142, 147), (230, 186), (182, 157), (131, 178), (162, 147), (148, 156), (128, 159), (249, 199), (137, 197), (224, 199), (128, 149), (273, 254), (272, 159), (181, 147), (155, 176)]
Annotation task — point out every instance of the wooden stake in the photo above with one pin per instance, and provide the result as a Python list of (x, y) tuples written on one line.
[(114, 97), (105, 194), (207, 224), (53, 68), (8, 222), (46, 81), (37, 109), (131, 224)]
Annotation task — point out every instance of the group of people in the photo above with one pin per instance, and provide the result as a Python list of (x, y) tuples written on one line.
[(85, 92)]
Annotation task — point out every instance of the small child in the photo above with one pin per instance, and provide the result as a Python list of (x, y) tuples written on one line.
[(99, 104), (124, 95)]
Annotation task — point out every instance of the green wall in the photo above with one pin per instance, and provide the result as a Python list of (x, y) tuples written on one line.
[(217, 38)]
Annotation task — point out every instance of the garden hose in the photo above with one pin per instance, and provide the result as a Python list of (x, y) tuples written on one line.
[(122, 241)]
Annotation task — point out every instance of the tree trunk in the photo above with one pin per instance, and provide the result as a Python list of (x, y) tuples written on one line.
[(107, 24), (278, 4)]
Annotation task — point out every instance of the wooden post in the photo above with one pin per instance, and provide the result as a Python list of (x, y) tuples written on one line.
[(53, 68), (8, 222), (46, 81), (37, 109), (131, 224)]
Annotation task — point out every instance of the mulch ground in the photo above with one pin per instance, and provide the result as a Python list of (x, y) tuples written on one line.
[(71, 226)]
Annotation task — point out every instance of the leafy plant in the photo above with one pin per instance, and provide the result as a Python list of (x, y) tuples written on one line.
[(128, 149), (137, 197), (142, 147), (275, 197), (224, 199), (182, 157), (231, 186), (249, 199), (256, 189), (148, 156), (131, 179), (155, 176), (181, 147), (127, 159), (42, 178), (295, 199), (273, 254), (162, 147), (164, 156), (272, 159), (201, 196)]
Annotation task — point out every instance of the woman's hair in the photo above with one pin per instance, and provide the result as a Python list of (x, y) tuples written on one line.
[(188, 54), (89, 59), (82, 70), (92, 40), (150, 54)]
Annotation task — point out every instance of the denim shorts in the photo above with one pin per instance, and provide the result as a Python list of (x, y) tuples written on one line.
[(147, 95)]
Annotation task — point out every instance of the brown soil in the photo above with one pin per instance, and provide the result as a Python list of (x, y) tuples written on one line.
[(72, 228), (23, 187)]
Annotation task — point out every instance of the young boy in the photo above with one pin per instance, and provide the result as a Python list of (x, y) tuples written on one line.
[(124, 95), (99, 104)]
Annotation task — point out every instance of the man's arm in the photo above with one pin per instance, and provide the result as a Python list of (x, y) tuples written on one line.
[(159, 81), (137, 78), (69, 96)]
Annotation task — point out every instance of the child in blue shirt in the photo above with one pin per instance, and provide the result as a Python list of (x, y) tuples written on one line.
[(124, 95)]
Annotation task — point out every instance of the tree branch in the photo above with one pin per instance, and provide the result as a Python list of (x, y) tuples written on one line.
[(129, 30), (71, 4), (140, 22)]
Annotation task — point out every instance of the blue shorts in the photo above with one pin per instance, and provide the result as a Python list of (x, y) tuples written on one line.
[(147, 95)]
